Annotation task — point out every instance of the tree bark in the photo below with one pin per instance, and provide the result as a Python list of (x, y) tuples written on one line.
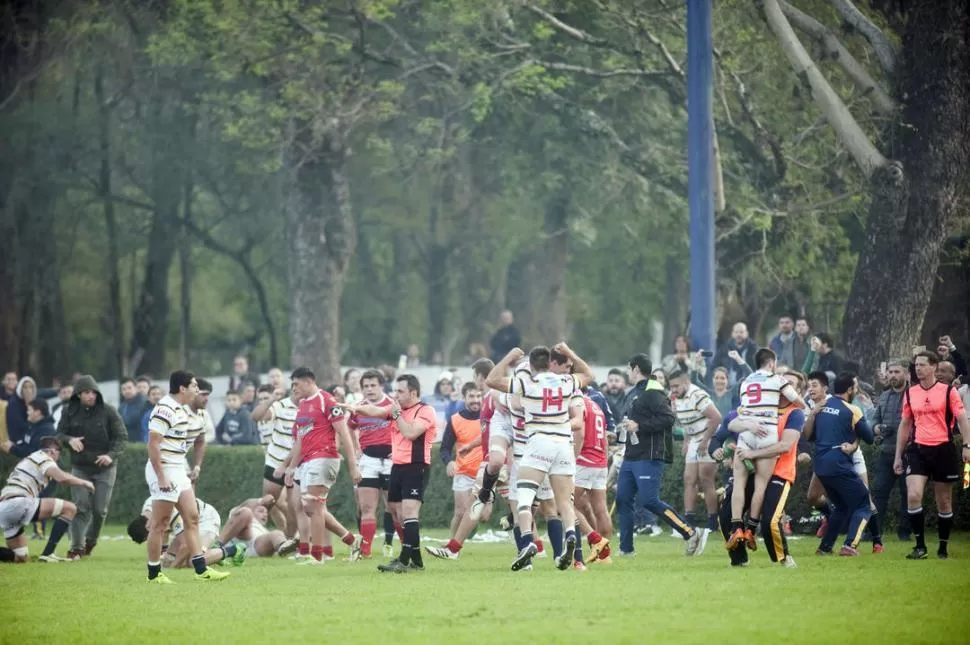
[(675, 306), (113, 316), (913, 203), (550, 276), (437, 277), (323, 239)]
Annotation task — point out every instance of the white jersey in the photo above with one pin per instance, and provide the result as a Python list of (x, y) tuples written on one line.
[(265, 432), (761, 394), (199, 425), (281, 440), (29, 476), (172, 421), (690, 410), (546, 400)]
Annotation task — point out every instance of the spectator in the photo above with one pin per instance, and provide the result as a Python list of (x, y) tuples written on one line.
[(275, 378), (682, 361), (64, 394), (889, 412), (247, 397), (829, 361), (783, 344), (413, 357), (505, 337), (801, 344), (143, 383), (617, 392), (241, 375), (475, 352), (721, 394), (236, 427), (442, 398), (39, 425), (132, 408), (9, 389), (660, 376), (746, 349), (339, 392), (389, 373), (97, 436), (352, 386), (155, 394), (24, 393), (948, 352)]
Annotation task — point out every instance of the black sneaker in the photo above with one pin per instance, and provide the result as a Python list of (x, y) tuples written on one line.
[(942, 554), (524, 559), (394, 566), (566, 559), (416, 567), (918, 553)]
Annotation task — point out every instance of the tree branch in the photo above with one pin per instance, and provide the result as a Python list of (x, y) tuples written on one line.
[(588, 71), (866, 155), (835, 50), (885, 51)]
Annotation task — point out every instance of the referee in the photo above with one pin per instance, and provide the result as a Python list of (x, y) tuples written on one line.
[(925, 448)]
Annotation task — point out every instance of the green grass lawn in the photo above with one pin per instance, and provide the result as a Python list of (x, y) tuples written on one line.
[(660, 596)]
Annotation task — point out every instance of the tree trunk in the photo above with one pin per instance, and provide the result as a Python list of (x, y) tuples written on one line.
[(185, 271), (914, 202), (550, 278), (948, 313), (323, 240), (675, 305), (113, 317), (401, 264)]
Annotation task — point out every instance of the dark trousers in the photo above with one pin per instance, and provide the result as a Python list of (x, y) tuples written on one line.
[(850, 500), (882, 488), (772, 526), (92, 508), (639, 482)]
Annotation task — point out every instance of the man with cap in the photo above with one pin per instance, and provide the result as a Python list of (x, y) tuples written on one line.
[(96, 436)]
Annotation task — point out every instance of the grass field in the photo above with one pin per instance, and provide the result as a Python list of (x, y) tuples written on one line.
[(659, 596)]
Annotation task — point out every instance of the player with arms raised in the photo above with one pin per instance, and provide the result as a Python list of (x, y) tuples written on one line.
[(168, 482), (757, 427)]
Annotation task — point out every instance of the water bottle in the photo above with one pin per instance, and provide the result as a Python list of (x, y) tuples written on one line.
[(622, 433)]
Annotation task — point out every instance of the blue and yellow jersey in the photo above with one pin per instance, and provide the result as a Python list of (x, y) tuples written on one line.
[(837, 422)]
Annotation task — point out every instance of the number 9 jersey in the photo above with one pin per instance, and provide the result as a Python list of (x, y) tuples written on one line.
[(761, 396)]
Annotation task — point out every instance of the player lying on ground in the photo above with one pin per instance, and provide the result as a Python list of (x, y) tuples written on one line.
[(247, 524), (176, 554), (20, 502)]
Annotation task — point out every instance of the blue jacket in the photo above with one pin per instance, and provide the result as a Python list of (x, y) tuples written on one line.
[(837, 422), (601, 401), (30, 443)]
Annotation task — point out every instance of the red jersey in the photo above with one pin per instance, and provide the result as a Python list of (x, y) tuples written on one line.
[(593, 454), (314, 425), (488, 411), (374, 432)]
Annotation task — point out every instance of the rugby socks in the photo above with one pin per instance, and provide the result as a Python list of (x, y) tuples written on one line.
[(327, 551), (488, 483), (736, 524), (712, 522), (875, 528), (304, 548), (388, 528), (455, 546), (348, 538), (198, 563), (399, 530), (593, 537), (943, 527), (367, 530), (228, 550), (517, 534), (411, 544), (555, 529), (918, 524), (751, 524), (316, 552), (540, 545), (578, 550), (154, 568), (60, 528), (690, 518)]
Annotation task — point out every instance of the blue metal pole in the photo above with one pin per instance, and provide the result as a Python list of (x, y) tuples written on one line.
[(700, 163)]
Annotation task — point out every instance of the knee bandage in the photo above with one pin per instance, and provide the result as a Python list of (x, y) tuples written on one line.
[(526, 491), (58, 507), (308, 498)]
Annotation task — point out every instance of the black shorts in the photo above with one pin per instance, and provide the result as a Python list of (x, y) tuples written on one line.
[(268, 476), (939, 463), (408, 481)]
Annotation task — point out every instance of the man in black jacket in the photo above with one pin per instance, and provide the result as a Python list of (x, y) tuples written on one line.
[(649, 447), (97, 437)]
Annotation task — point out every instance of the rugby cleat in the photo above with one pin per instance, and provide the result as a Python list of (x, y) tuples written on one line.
[(441, 552), (355, 549), (524, 559), (918, 553), (579, 566), (394, 566), (52, 558), (310, 561), (287, 547), (211, 575), (693, 542), (239, 557), (388, 551), (789, 562), (566, 559), (848, 551), (878, 548), (599, 547), (750, 540), (160, 579), (735, 540), (703, 541)]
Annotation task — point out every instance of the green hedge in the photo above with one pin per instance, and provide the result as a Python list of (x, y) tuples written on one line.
[(232, 474)]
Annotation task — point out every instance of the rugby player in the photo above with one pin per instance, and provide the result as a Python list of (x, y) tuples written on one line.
[(462, 429), (168, 483), (374, 461), (699, 417), (547, 399), (20, 502), (757, 422), (279, 411), (818, 386), (319, 421), (200, 424), (176, 555), (835, 427), (247, 523), (264, 418), (924, 447), (590, 484)]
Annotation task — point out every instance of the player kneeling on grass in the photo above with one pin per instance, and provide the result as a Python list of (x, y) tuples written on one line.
[(20, 502), (247, 523), (757, 427), (177, 555)]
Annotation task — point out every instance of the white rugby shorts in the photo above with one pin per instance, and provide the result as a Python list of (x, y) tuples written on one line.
[(694, 454), (16, 513), (374, 467), (500, 427), (319, 472), (177, 478), (545, 489), (591, 478), (461, 483)]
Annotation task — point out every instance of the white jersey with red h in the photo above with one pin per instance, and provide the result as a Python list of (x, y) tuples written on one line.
[(546, 400)]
